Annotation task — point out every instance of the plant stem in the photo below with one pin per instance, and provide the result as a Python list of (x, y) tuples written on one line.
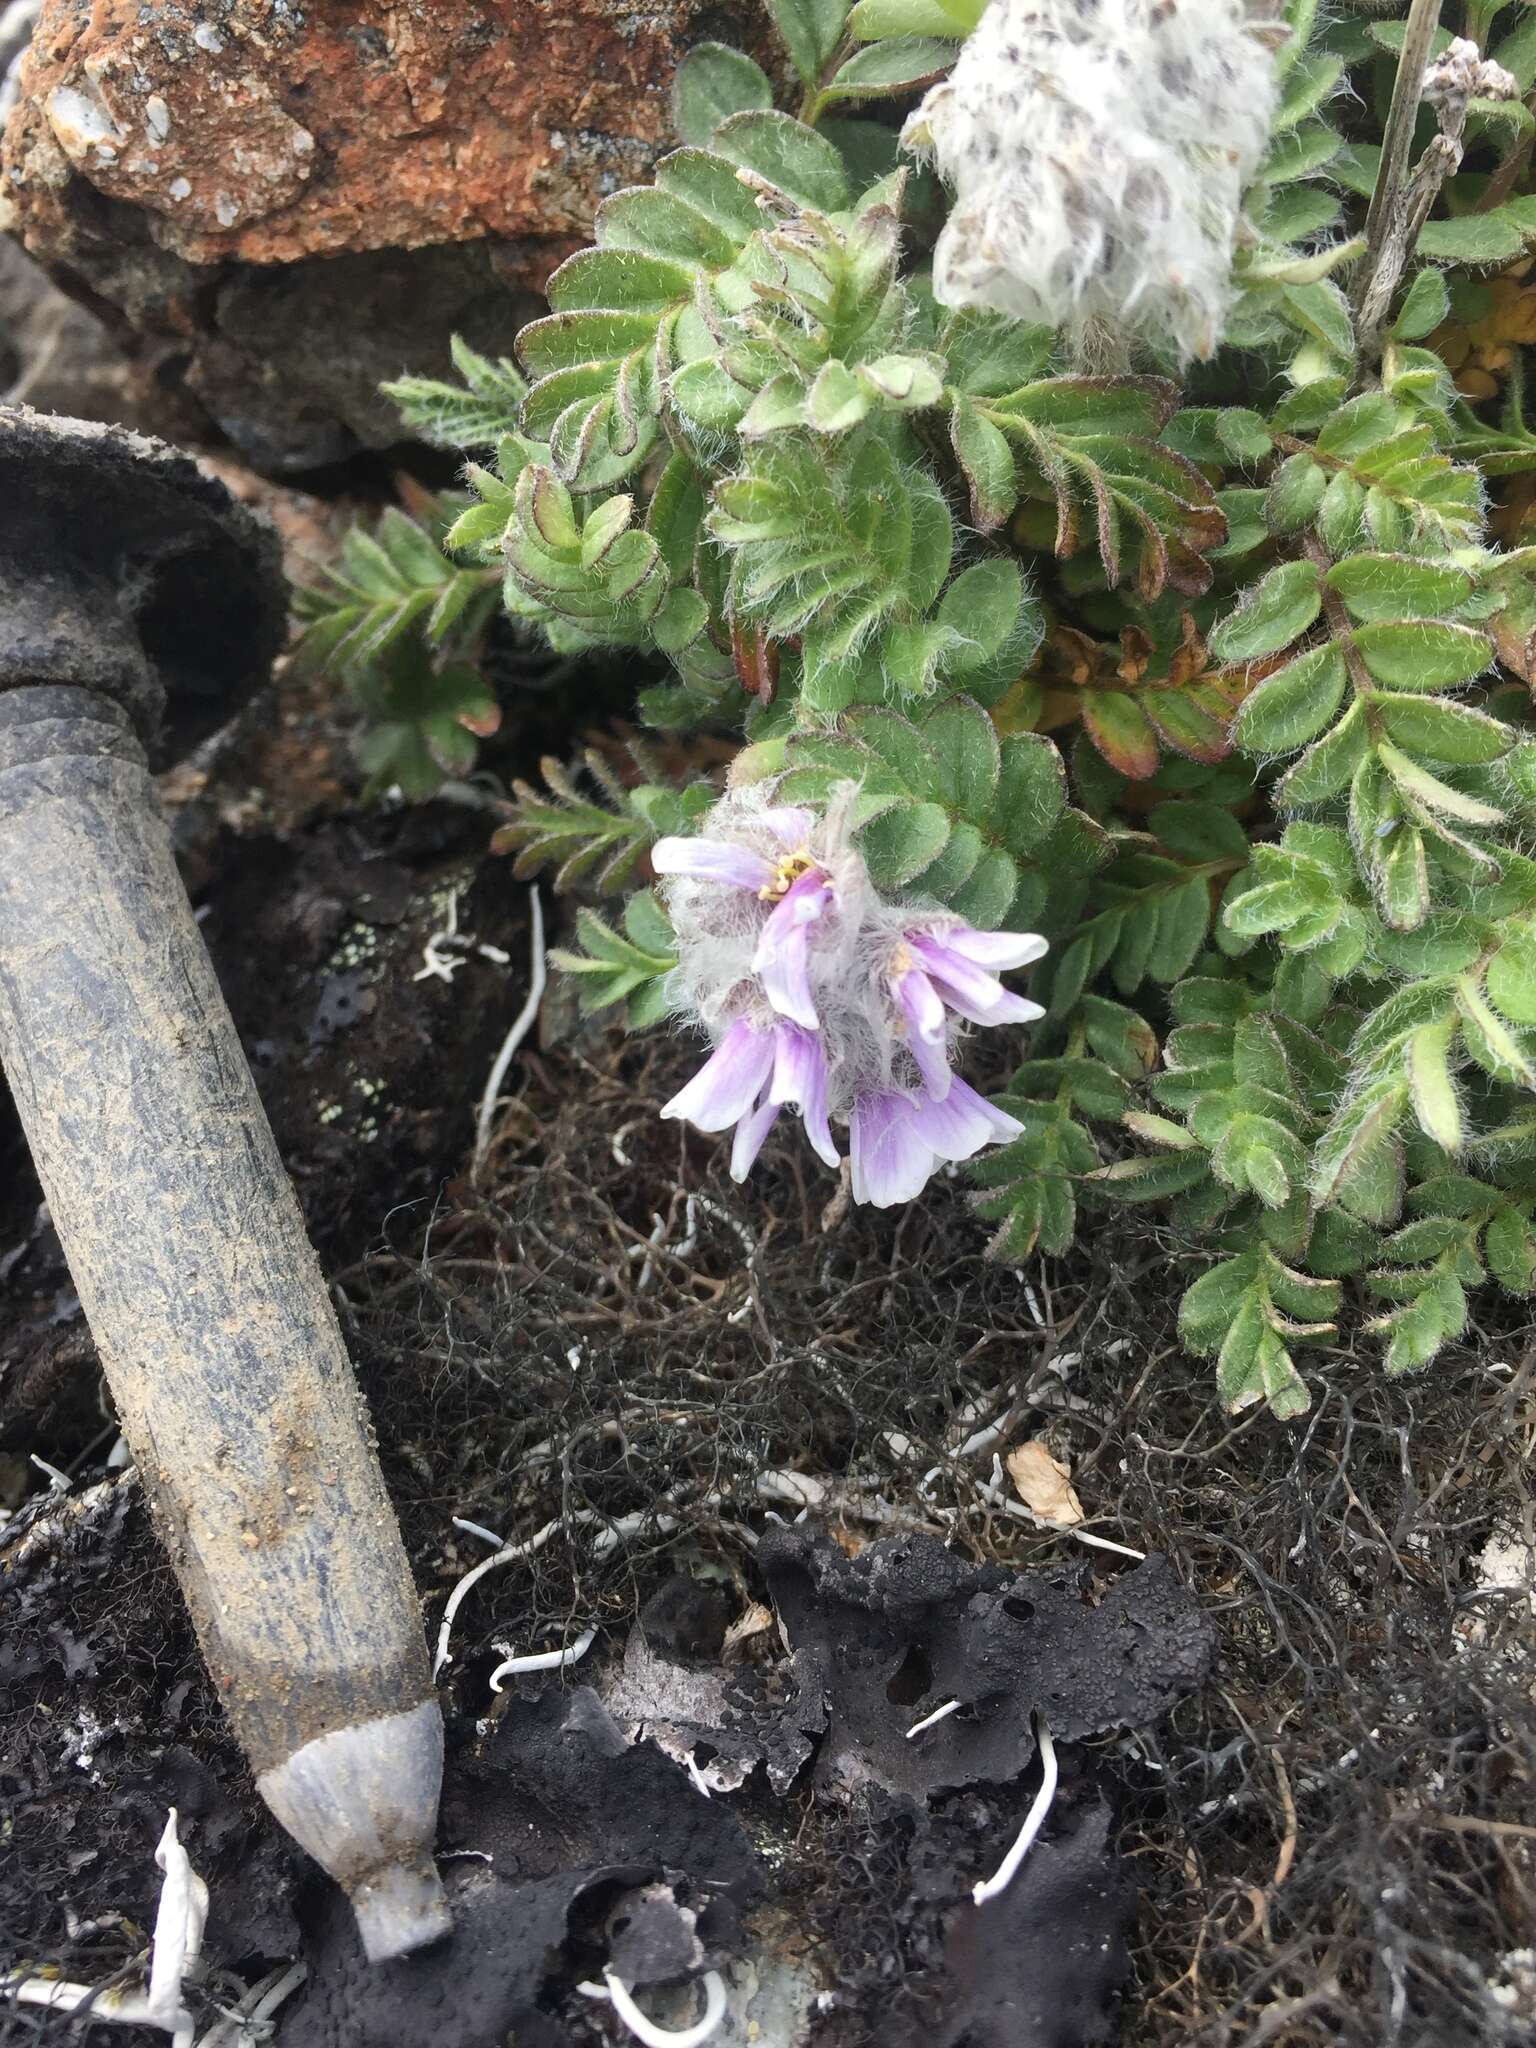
[(1505, 178), (813, 105), (1402, 118), (1397, 140)]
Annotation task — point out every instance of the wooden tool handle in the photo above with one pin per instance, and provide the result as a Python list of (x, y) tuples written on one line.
[(188, 1248)]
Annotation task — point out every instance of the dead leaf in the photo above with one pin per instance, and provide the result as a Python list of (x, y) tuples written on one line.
[(1044, 1485), (743, 1637)]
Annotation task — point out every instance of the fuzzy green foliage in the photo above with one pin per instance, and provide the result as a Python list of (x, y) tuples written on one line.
[(1204, 684), (401, 621)]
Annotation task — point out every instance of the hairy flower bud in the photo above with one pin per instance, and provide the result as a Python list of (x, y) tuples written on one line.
[(819, 993), (1099, 151)]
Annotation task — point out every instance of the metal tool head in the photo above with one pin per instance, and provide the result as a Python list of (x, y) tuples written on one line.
[(125, 569)]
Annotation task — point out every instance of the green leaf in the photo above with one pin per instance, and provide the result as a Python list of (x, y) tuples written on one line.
[(1426, 305), (680, 619), (789, 156), (874, 20), (909, 382), (1321, 311), (1130, 407), (1444, 732), (1423, 655), (836, 400), (1183, 918), (611, 282), (1309, 406), (598, 841), (1424, 789), (887, 68), (1298, 152), (1294, 704), (1382, 586), (567, 339), (1477, 240), (1511, 979), (1358, 1160), (811, 30), (1230, 1312), (1270, 614), (1510, 1244), (712, 82), (1027, 1187), (708, 185), (1430, 1085), (981, 609), (1031, 791), (966, 756), (619, 965), (904, 841), (1419, 1330), (650, 221), (474, 416), (990, 356), (1199, 832), (1295, 493), (1341, 515), (986, 456), (1497, 1049)]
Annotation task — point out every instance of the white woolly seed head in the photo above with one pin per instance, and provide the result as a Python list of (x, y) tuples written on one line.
[(1099, 151), (852, 948)]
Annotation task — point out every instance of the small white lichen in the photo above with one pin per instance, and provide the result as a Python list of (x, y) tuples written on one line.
[(1099, 151)]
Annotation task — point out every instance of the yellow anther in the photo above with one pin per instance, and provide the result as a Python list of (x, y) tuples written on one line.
[(786, 874)]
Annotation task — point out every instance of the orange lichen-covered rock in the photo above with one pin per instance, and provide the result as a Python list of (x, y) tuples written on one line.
[(155, 146)]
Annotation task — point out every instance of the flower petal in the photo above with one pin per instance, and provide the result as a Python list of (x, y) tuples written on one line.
[(959, 1125), (968, 989), (927, 1029), (782, 959), (996, 951), (712, 860), (729, 1082), (750, 1134), (891, 1162), (789, 824), (800, 1076)]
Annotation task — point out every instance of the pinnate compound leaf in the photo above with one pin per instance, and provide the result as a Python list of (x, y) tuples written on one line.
[(474, 414)]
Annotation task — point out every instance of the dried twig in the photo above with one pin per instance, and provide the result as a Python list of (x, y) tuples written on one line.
[(1401, 203)]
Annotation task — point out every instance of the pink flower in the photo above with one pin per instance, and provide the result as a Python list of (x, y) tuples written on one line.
[(822, 995), (747, 1079), (783, 952), (898, 1139), (955, 962)]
